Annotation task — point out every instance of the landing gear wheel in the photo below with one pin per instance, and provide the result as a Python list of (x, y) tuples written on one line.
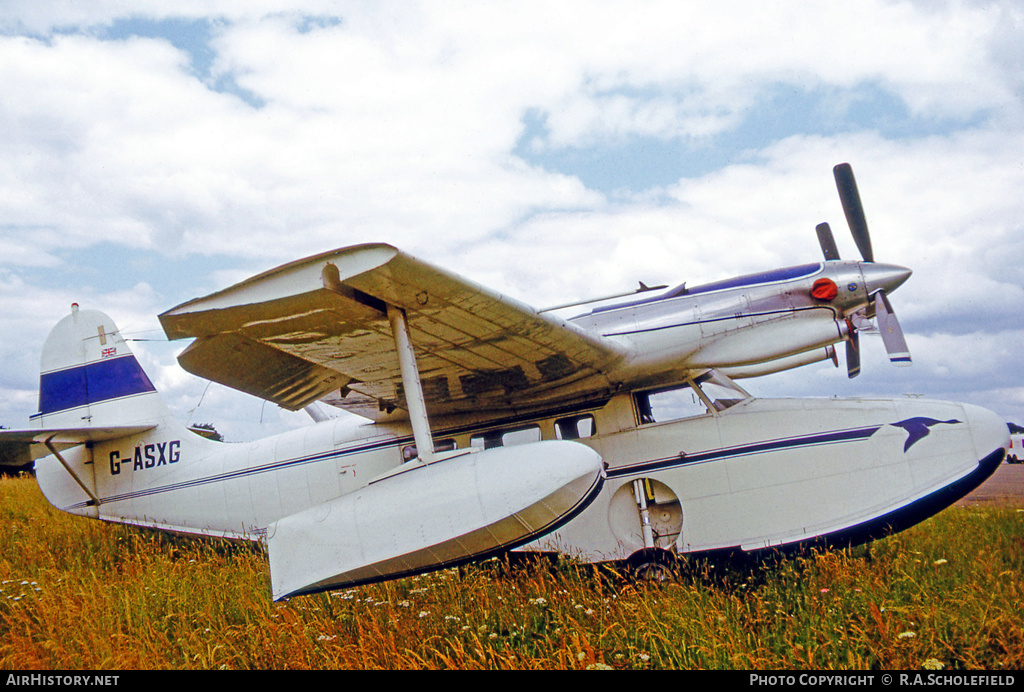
[(652, 565)]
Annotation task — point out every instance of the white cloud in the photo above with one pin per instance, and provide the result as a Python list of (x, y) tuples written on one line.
[(401, 124)]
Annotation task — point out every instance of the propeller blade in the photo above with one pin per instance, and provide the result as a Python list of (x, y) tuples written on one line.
[(853, 354), (827, 242), (892, 334), (854, 210)]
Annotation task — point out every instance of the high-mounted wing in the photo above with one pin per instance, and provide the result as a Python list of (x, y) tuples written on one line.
[(317, 329)]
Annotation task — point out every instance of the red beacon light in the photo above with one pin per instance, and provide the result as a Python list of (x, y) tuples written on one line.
[(824, 289)]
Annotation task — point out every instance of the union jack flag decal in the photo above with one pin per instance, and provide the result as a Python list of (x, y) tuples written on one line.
[(108, 352)]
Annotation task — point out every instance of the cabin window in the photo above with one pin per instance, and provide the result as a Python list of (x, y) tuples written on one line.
[(575, 427), (409, 452), (506, 437)]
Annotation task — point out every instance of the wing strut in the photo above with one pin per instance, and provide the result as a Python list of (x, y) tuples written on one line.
[(411, 383)]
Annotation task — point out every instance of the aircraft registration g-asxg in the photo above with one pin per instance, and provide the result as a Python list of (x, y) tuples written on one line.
[(496, 426)]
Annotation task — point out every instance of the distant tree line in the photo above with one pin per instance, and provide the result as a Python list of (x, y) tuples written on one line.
[(206, 430)]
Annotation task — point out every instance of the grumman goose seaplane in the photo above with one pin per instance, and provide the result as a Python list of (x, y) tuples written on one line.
[(496, 426)]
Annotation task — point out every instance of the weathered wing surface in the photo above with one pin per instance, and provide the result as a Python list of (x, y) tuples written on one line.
[(317, 329)]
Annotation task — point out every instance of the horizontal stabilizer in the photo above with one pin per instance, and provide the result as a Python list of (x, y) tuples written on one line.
[(434, 516), (19, 447)]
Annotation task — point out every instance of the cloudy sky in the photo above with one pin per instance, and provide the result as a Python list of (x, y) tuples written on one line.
[(155, 152)]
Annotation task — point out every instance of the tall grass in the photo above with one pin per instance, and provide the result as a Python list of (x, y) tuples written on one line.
[(80, 594)]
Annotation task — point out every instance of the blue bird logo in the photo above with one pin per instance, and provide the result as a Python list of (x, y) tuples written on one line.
[(918, 428)]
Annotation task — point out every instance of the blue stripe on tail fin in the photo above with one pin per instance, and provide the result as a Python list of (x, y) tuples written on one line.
[(89, 377), (92, 383)]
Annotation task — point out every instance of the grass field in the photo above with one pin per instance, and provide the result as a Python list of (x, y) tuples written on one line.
[(80, 594)]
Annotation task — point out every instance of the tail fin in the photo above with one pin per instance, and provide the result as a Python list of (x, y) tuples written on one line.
[(89, 377), (92, 394)]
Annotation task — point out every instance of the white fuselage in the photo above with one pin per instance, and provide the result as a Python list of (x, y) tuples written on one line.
[(601, 473), (756, 474), (615, 434)]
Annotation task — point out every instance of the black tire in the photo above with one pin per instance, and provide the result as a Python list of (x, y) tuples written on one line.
[(652, 565)]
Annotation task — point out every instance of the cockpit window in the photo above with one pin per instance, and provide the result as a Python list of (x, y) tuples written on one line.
[(712, 392)]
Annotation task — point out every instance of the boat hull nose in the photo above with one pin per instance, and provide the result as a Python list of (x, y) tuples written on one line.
[(989, 431)]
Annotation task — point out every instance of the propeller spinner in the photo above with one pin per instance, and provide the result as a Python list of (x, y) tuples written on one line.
[(880, 278)]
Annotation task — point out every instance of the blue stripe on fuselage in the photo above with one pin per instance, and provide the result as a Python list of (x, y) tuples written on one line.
[(766, 446), (635, 469), (92, 383)]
